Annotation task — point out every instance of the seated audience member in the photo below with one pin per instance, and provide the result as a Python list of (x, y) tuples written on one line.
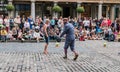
[(3, 34), (76, 33), (98, 37), (111, 34), (104, 23), (106, 34), (92, 34), (20, 35), (31, 33), (83, 35), (52, 34), (99, 34), (118, 37), (115, 33), (37, 34), (57, 32), (26, 25), (26, 36), (9, 35), (93, 37), (14, 33)]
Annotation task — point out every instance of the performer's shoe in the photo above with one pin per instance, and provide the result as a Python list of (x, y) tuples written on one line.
[(76, 56), (65, 57)]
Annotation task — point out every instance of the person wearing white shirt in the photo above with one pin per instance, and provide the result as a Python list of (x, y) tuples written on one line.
[(110, 31), (17, 21), (7, 23), (36, 34), (60, 24), (86, 23), (26, 24)]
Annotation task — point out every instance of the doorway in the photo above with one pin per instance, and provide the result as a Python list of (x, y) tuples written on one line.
[(66, 11)]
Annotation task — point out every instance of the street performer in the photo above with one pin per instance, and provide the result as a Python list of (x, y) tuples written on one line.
[(70, 38), (46, 35)]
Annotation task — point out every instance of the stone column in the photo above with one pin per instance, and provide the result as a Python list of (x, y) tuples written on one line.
[(100, 11), (33, 9), (107, 11), (74, 13), (55, 14), (16, 13), (10, 13), (10, 1), (78, 5), (112, 13), (119, 11), (96, 12), (93, 11)]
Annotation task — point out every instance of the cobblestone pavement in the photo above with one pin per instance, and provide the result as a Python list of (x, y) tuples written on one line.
[(28, 57)]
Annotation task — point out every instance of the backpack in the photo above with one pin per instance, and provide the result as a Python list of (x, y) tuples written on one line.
[(112, 25), (112, 37), (58, 39)]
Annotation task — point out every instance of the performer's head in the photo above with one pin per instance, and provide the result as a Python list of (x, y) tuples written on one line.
[(65, 20)]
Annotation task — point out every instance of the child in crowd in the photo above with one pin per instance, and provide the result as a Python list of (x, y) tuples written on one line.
[(3, 33), (31, 32), (82, 34), (37, 34), (14, 33), (9, 35)]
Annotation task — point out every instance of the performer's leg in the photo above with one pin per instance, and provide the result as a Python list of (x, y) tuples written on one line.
[(73, 50), (45, 49), (76, 54), (65, 49), (46, 45)]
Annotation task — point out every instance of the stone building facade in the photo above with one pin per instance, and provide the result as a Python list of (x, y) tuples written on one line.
[(93, 8)]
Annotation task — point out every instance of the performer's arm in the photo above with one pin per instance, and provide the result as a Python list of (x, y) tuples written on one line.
[(45, 27), (64, 31)]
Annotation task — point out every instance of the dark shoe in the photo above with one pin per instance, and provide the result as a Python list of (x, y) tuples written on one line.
[(119, 53), (76, 56), (65, 57)]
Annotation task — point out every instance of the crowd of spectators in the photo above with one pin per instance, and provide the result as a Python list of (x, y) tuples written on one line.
[(25, 28)]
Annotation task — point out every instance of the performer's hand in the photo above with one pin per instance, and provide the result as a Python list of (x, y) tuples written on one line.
[(46, 35), (60, 36)]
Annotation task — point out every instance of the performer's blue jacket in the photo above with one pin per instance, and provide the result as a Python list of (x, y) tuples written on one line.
[(69, 31)]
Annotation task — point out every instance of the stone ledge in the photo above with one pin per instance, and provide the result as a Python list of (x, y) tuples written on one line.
[(33, 41)]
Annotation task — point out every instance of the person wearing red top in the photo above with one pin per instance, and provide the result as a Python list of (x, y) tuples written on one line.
[(109, 22), (104, 23)]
